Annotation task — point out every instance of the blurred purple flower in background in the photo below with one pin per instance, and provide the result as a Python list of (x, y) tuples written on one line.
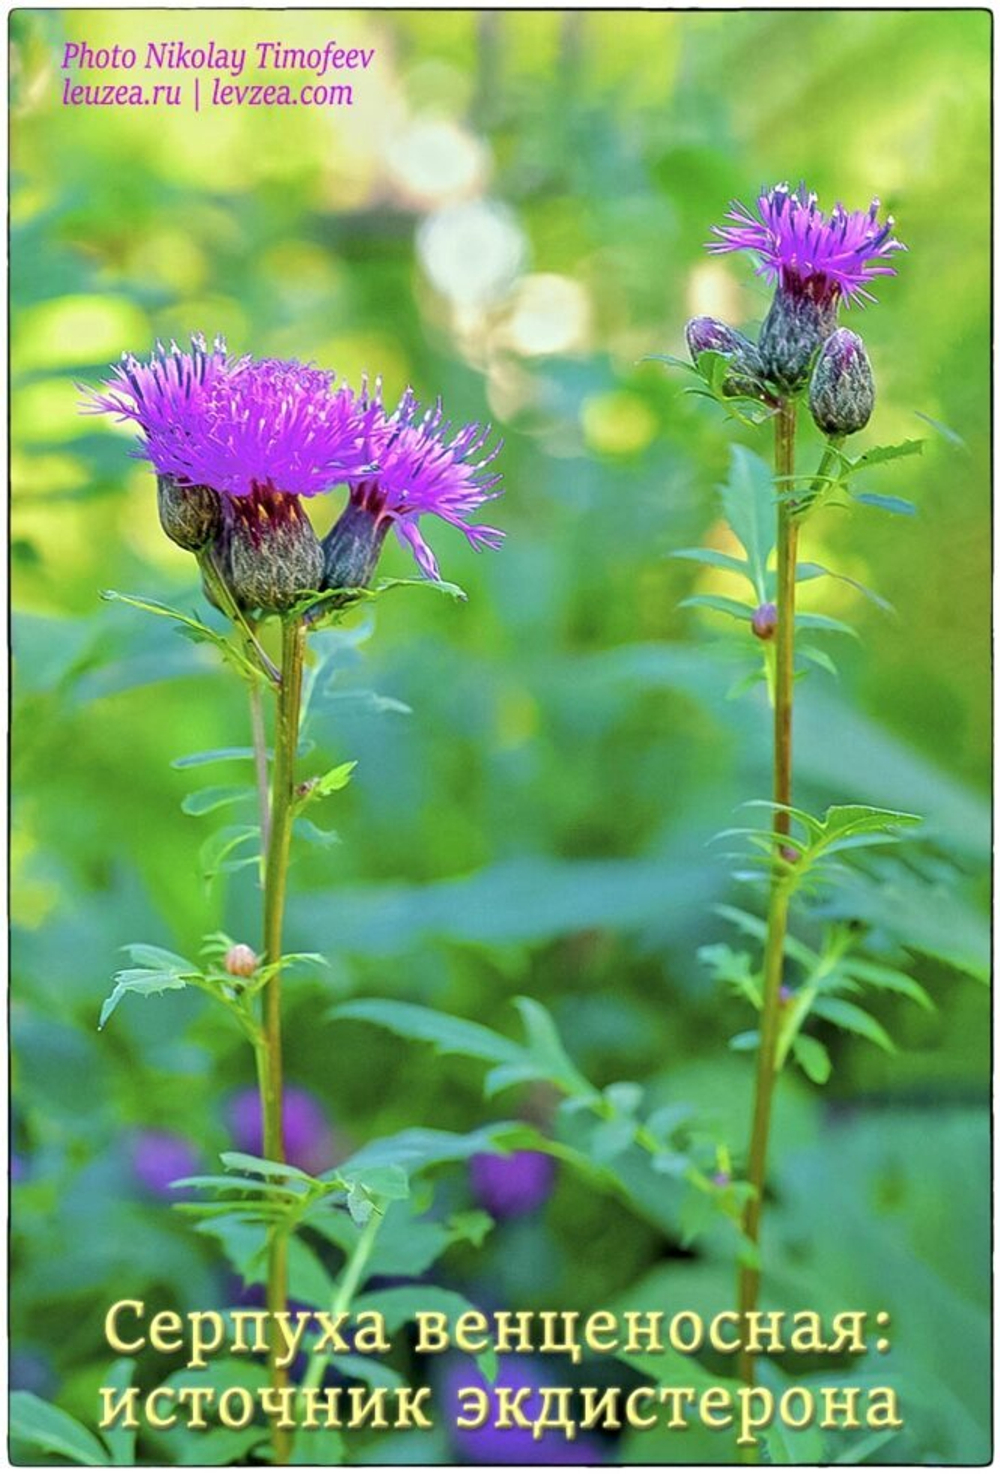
[(160, 1158), (492, 1445), (309, 1141), (511, 1186), (30, 1370)]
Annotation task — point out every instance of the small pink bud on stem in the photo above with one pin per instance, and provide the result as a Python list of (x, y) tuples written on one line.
[(241, 961)]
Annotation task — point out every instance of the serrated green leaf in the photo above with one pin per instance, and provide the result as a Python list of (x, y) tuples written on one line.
[(451, 590), (333, 780), (145, 982), (879, 454)]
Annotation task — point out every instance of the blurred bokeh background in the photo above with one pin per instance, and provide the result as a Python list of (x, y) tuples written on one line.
[(512, 215)]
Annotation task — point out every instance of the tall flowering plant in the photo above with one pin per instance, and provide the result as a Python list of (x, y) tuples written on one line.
[(239, 446), (803, 360)]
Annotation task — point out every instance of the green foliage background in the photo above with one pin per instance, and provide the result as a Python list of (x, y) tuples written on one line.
[(511, 215)]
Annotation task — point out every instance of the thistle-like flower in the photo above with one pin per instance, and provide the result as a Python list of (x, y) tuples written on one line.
[(417, 468), (815, 261), (235, 444), (842, 389)]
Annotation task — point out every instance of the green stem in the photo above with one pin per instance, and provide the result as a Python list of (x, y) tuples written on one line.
[(286, 741), (347, 1288), (777, 917)]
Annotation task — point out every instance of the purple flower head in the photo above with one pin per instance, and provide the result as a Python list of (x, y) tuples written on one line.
[(240, 425), (803, 250), (492, 1445), (159, 1158), (509, 1187), (309, 1142), (418, 467)]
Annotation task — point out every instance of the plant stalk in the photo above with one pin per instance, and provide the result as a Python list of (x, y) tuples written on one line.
[(777, 917), (350, 1280), (286, 741)]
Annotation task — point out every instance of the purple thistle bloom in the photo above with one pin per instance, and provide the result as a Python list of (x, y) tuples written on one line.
[(160, 1158), (509, 1187), (309, 1142), (240, 425), (417, 467), (803, 250)]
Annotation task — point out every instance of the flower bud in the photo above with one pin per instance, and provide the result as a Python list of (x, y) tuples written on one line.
[(273, 555), (189, 515), (799, 321), (240, 961), (709, 335), (842, 392), (764, 621), (352, 547)]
